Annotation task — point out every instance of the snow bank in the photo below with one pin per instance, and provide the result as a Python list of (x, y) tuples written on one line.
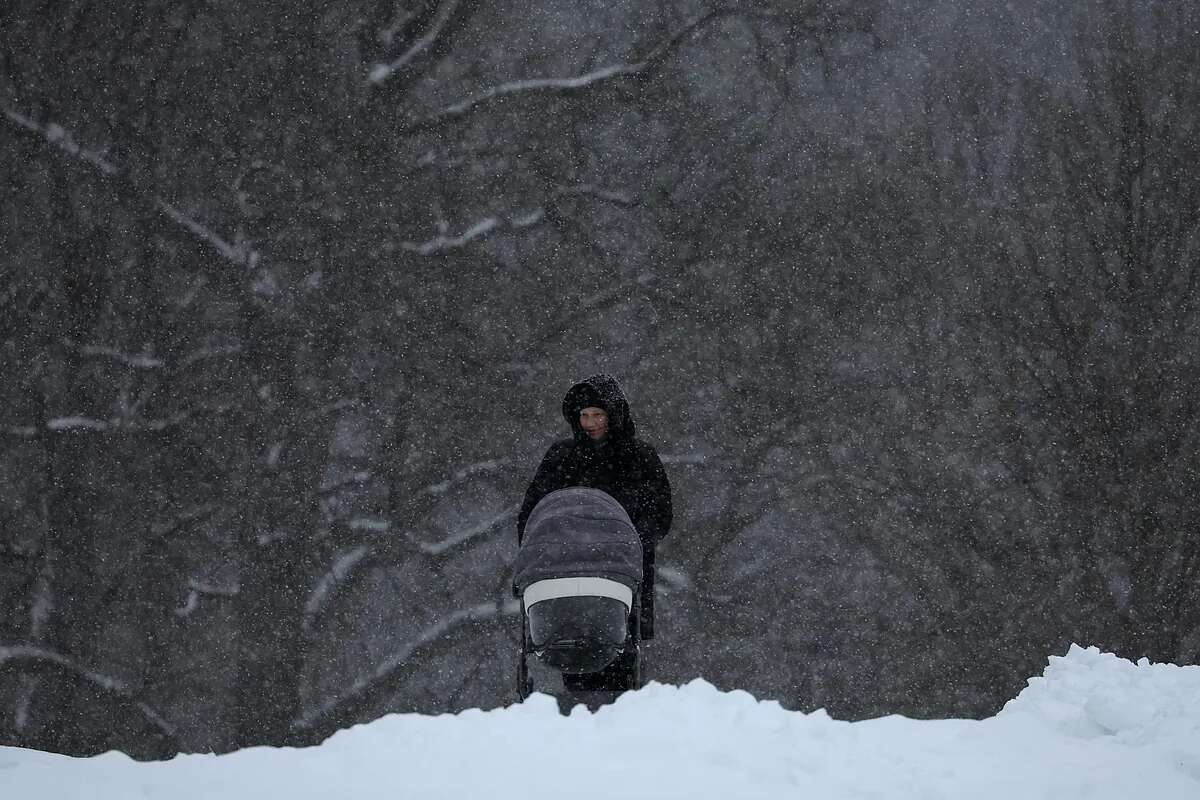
[(1092, 726), (1092, 695)]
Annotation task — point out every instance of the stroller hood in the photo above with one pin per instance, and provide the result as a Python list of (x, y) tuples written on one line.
[(579, 532)]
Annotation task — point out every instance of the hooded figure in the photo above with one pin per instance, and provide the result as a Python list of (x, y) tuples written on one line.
[(604, 454)]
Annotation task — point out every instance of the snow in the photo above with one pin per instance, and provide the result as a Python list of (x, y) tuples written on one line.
[(1092, 726)]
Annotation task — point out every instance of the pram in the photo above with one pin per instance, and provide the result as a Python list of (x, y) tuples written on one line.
[(578, 575)]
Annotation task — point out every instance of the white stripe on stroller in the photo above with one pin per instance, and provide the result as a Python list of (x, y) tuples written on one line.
[(554, 588)]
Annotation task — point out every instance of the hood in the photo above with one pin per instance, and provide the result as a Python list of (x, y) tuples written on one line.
[(600, 391)]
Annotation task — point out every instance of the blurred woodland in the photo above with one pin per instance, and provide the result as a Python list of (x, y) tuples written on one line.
[(904, 292)]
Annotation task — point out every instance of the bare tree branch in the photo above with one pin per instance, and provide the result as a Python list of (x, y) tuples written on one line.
[(400, 18), (59, 137), (322, 721), (442, 243), (121, 425), (591, 190), (341, 567), (60, 424), (461, 537), (369, 524), (239, 253), (23, 431), (358, 478), (469, 471), (77, 423), (537, 85), (384, 71), (442, 546), (205, 353), (588, 80), (40, 612), (142, 361), (196, 589), (346, 566), (25, 659), (674, 580)]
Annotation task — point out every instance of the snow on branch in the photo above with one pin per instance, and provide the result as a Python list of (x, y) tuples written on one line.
[(143, 361), (534, 85), (358, 478), (460, 537), (365, 555), (123, 424), (369, 524), (60, 138), (239, 253), (440, 547), (26, 659), (209, 352), (341, 567), (400, 18), (197, 588), (673, 579), (77, 423), (577, 82), (384, 71), (469, 471), (443, 243), (591, 190), (135, 361), (327, 717), (24, 431)]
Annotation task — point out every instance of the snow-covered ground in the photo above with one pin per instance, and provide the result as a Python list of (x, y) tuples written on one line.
[(1093, 726)]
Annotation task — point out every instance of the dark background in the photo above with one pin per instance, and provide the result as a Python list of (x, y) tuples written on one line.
[(905, 294)]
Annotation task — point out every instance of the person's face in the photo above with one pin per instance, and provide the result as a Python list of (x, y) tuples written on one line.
[(594, 422)]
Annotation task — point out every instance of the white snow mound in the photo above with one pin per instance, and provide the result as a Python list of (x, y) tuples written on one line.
[(1092, 726)]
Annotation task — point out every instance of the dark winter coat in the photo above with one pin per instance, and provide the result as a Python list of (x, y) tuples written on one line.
[(621, 465)]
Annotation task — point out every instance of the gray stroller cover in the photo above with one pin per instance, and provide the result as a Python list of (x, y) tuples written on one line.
[(579, 532)]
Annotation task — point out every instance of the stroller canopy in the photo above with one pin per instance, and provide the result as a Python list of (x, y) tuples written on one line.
[(579, 533)]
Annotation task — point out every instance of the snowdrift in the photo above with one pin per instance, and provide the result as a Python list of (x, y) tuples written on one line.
[(1092, 726)]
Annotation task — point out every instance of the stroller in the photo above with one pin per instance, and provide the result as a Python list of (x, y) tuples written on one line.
[(578, 575)]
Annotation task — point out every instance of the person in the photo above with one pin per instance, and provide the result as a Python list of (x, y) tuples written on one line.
[(604, 453)]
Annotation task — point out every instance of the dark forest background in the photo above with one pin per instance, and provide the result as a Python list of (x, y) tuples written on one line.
[(904, 292)]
